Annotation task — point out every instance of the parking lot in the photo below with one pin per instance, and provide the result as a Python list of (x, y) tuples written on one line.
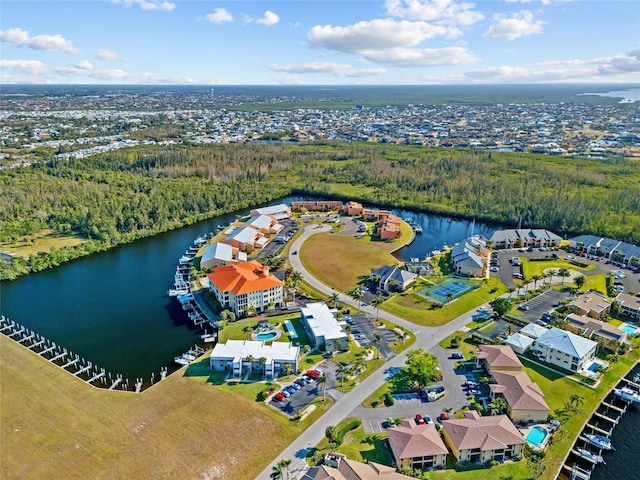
[(543, 303), (307, 393), (365, 334)]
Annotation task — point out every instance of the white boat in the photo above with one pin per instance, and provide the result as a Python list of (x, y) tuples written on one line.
[(200, 240), (174, 292), (599, 441), (185, 259), (417, 228), (181, 360), (189, 356), (627, 394), (593, 457)]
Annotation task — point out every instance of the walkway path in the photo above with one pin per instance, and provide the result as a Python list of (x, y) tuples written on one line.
[(426, 338)]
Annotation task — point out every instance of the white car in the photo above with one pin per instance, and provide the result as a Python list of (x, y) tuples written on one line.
[(495, 269)]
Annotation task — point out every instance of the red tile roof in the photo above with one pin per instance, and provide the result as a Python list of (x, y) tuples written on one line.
[(243, 277)]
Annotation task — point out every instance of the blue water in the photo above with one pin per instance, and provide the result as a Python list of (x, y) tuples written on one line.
[(593, 367), (266, 336), (536, 435), (629, 330)]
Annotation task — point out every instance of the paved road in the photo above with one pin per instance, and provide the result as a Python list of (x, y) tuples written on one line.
[(426, 338), (349, 404)]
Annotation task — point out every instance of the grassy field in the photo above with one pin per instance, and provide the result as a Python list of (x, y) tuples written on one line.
[(55, 426), (422, 312), (348, 261), (42, 242), (529, 268)]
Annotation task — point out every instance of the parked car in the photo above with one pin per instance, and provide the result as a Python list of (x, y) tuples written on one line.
[(300, 381), (349, 320), (284, 393), (443, 416), (494, 269), (295, 386), (315, 374), (356, 330), (428, 419), (420, 420), (290, 389), (278, 397), (524, 308)]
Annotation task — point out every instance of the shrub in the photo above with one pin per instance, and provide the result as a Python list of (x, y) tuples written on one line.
[(388, 399)]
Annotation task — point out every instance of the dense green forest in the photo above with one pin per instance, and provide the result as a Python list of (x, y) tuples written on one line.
[(123, 195)]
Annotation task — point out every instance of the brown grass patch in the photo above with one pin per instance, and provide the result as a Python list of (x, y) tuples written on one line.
[(42, 242), (343, 261), (56, 426)]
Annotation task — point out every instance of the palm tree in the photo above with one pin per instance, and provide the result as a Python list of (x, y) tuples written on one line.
[(342, 371), (293, 281), (376, 302), (580, 281), (377, 337), (576, 401), (357, 294), (563, 272), (359, 364), (323, 380), (277, 472), (552, 273), (285, 463), (249, 359), (263, 363), (510, 290), (535, 281), (333, 299)]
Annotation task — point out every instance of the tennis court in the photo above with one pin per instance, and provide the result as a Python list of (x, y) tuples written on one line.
[(448, 290)]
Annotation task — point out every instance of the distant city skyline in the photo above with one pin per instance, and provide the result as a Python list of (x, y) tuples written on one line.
[(318, 42)]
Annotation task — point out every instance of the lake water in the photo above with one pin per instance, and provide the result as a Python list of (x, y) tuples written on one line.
[(627, 96), (112, 308)]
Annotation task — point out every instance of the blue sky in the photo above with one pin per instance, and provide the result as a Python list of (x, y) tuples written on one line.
[(319, 42)]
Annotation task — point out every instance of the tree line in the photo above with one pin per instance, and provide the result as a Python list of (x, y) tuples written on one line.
[(119, 196)]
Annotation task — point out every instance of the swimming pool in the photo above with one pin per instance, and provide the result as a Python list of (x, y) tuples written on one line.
[(594, 367), (537, 435), (266, 336), (630, 330)]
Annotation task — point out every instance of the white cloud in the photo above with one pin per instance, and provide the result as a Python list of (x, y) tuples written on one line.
[(21, 38), (335, 69), (269, 19), (374, 35), (147, 4), (414, 57), (518, 25), (543, 2), (32, 67), (108, 56), (219, 15), (440, 11), (85, 70)]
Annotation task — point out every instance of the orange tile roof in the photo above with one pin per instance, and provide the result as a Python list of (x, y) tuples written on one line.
[(243, 277)]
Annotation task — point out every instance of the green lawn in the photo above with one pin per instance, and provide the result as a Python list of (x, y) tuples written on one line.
[(343, 261), (529, 268), (422, 312), (506, 471), (596, 282)]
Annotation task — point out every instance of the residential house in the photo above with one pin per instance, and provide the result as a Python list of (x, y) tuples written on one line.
[(243, 356), (417, 446), (277, 212), (246, 239), (532, 330), (372, 215), (389, 227), (244, 285), (628, 305), (518, 342), (220, 254), (596, 330), (319, 206), (524, 237), (525, 400), (353, 209), (469, 256), (565, 349), (265, 224), (388, 278), (497, 358), (591, 304), (323, 328), (620, 252), (339, 467), (479, 439)]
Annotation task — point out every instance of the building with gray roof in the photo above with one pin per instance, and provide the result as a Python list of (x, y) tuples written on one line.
[(524, 237), (565, 349)]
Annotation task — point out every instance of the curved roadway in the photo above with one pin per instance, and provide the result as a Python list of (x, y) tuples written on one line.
[(426, 338)]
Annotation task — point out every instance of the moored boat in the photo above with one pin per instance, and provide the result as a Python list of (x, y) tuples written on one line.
[(593, 457), (599, 441), (181, 360), (627, 394)]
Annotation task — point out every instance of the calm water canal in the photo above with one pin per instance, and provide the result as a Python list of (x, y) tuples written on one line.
[(112, 309)]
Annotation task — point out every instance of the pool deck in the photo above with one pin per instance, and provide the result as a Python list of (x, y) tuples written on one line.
[(545, 442)]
